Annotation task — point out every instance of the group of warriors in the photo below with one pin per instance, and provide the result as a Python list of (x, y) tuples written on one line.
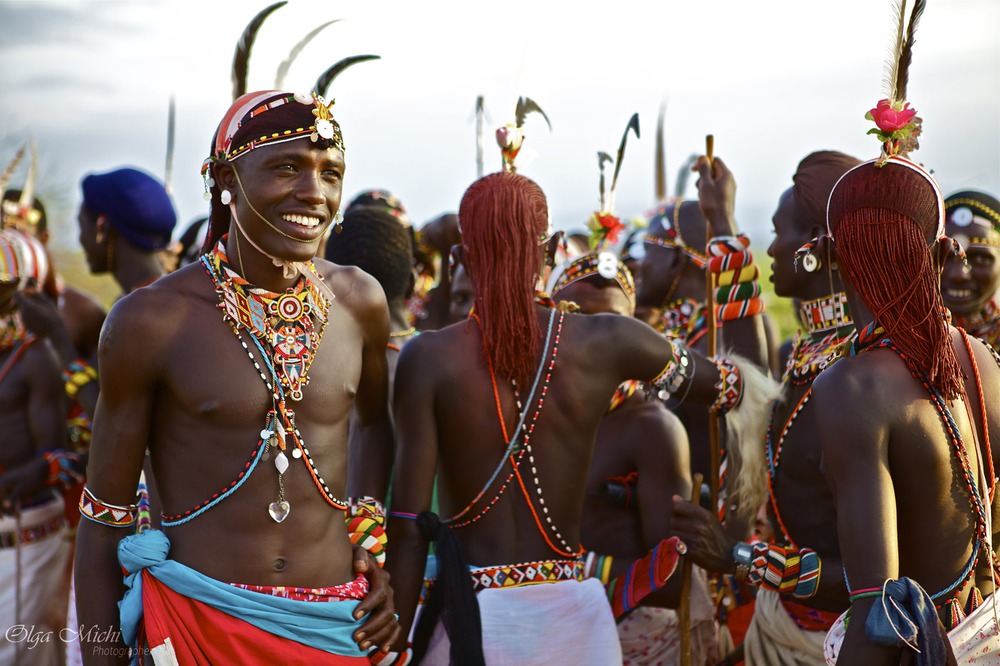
[(544, 448)]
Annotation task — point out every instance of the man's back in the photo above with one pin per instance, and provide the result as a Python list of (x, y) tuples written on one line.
[(914, 460), (560, 425)]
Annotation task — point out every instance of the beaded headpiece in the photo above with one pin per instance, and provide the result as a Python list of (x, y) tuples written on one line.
[(22, 258), (604, 264), (975, 213)]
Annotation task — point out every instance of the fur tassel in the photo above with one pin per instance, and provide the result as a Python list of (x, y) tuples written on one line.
[(241, 59), (279, 78), (327, 77), (746, 429)]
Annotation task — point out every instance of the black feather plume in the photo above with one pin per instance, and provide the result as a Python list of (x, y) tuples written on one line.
[(241, 59), (526, 105), (327, 77), (633, 124)]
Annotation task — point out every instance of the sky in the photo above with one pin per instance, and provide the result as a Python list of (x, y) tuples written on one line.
[(773, 80)]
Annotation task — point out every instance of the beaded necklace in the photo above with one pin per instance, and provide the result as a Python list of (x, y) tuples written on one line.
[(830, 326), (283, 332), (985, 325), (12, 330), (683, 318)]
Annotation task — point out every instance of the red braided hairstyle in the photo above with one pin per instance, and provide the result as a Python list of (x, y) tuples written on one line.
[(504, 218), (882, 220)]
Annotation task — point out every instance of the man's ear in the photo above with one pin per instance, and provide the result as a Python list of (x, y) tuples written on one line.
[(224, 174), (102, 228)]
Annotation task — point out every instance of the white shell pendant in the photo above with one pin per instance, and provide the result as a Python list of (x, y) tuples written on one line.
[(279, 510), (281, 462)]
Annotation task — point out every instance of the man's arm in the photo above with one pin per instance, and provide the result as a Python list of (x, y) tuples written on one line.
[(663, 462), (46, 407), (854, 432), (370, 454), (128, 354), (416, 465)]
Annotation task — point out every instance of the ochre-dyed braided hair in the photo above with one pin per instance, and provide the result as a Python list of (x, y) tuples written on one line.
[(504, 218), (882, 219)]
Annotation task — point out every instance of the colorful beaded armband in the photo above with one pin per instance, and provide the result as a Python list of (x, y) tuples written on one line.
[(104, 513), (737, 292), (365, 518), (790, 571), (77, 375), (729, 386), (66, 468)]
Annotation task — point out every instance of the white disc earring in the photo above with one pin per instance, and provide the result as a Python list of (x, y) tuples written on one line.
[(810, 263), (226, 197)]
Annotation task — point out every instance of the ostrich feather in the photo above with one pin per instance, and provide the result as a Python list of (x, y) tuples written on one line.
[(241, 59), (279, 78), (526, 105), (327, 77), (633, 124)]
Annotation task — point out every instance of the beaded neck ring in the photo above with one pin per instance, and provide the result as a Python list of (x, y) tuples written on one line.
[(282, 329)]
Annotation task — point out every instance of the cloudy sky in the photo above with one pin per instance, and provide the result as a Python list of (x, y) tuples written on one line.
[(773, 80)]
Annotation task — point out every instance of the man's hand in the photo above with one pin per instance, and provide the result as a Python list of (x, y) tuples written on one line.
[(23, 482), (717, 195), (39, 312), (382, 629), (708, 544)]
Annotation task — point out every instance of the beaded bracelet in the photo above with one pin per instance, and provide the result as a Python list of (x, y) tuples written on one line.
[(381, 658), (66, 468), (673, 375), (106, 513), (729, 386), (365, 518), (789, 571), (77, 375), (598, 566)]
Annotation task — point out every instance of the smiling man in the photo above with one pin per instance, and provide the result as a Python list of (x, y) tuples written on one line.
[(970, 288), (221, 370)]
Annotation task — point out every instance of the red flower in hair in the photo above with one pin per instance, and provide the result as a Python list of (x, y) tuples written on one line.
[(605, 229), (891, 118)]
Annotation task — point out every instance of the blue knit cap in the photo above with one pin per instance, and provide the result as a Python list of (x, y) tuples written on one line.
[(135, 204)]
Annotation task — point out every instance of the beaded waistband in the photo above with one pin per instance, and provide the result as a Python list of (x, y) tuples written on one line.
[(519, 575), (32, 534)]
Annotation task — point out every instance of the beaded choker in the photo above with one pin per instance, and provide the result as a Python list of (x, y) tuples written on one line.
[(825, 314), (682, 319), (867, 337), (12, 330), (282, 329)]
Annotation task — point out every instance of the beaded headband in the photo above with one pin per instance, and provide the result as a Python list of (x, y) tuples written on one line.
[(605, 264), (964, 211)]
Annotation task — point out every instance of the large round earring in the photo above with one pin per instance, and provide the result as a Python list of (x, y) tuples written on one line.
[(338, 220), (811, 263), (226, 197)]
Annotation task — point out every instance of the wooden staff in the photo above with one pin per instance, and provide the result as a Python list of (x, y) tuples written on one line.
[(684, 611), (713, 422)]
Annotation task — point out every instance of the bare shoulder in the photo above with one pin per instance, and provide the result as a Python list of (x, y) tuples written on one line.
[(142, 320), (351, 285), (860, 380), (661, 430)]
